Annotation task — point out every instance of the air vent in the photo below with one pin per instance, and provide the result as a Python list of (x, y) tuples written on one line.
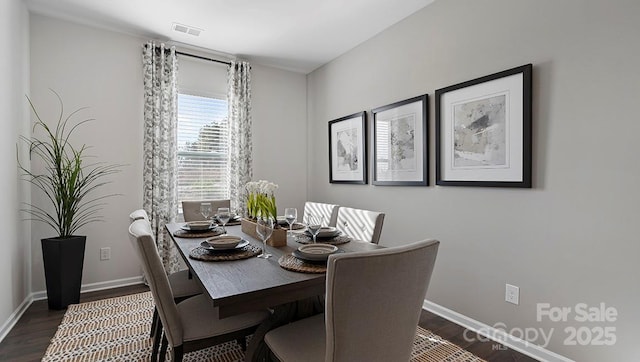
[(181, 28)]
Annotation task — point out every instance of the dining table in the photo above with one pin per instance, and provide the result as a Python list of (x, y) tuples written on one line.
[(250, 284)]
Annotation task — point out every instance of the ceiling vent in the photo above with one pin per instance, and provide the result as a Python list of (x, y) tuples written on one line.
[(181, 28)]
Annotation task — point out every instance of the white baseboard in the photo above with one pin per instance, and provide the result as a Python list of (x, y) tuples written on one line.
[(85, 288), (15, 316), (500, 336)]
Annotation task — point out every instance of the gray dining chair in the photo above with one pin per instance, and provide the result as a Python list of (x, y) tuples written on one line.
[(373, 305), (183, 285), (360, 224), (328, 211), (192, 324), (191, 209), (138, 214)]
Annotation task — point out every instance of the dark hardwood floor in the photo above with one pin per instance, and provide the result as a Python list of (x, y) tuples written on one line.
[(29, 338)]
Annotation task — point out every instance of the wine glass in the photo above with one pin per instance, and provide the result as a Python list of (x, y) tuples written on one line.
[(205, 209), (264, 229), (224, 215), (290, 214), (314, 224)]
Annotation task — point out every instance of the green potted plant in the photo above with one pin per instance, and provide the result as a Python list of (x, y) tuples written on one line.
[(68, 181), (261, 202)]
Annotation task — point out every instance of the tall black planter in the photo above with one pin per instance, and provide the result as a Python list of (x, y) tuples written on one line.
[(63, 262)]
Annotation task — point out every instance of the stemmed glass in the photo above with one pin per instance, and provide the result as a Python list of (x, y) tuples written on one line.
[(290, 214), (264, 229), (224, 215), (205, 209), (314, 224)]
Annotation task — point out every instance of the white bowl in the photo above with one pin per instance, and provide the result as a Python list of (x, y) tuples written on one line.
[(198, 225), (317, 251), (224, 241)]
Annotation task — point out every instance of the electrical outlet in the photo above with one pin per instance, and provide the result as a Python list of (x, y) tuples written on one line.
[(105, 253), (512, 294)]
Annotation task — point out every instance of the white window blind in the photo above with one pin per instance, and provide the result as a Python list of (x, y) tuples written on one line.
[(203, 143)]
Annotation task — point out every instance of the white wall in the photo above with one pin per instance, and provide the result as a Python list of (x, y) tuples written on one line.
[(279, 133), (202, 77), (570, 239), (103, 70), (14, 73)]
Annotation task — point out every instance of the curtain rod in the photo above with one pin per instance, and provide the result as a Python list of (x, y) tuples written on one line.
[(203, 58)]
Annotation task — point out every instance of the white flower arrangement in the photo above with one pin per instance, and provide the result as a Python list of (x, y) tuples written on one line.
[(261, 200)]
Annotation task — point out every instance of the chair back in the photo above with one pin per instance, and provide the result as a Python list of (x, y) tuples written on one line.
[(141, 236), (360, 224), (138, 214), (191, 209), (374, 299), (328, 211)]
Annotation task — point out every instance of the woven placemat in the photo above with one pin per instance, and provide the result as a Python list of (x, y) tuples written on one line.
[(189, 234), (306, 239), (290, 262), (244, 253)]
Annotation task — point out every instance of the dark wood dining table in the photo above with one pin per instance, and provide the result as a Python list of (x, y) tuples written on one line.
[(238, 286)]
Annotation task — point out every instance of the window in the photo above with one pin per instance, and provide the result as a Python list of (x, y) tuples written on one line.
[(203, 143)]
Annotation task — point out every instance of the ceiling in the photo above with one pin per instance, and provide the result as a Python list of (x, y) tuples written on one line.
[(298, 35)]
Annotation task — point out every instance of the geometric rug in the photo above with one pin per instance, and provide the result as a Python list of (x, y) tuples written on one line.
[(117, 329)]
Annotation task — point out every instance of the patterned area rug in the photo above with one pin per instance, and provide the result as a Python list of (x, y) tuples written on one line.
[(117, 329)]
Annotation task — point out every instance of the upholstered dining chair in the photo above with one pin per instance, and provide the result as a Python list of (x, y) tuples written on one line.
[(373, 304), (138, 214), (193, 323), (328, 211), (360, 224), (182, 283), (191, 209)]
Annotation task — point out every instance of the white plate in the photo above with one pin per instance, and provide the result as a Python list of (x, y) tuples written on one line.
[(327, 232), (317, 251), (198, 226), (207, 246)]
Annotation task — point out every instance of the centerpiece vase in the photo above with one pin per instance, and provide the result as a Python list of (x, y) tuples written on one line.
[(277, 239)]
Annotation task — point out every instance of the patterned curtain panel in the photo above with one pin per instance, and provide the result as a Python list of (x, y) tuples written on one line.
[(240, 158), (160, 119)]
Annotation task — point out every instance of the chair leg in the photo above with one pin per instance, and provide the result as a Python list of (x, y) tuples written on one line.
[(157, 336), (177, 354), (154, 321), (163, 349), (243, 343)]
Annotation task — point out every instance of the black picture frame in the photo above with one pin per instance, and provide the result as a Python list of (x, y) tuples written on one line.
[(483, 131), (348, 149), (409, 166)]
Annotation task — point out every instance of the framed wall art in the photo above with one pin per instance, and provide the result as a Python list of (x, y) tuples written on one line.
[(483, 131), (348, 149), (400, 151)]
